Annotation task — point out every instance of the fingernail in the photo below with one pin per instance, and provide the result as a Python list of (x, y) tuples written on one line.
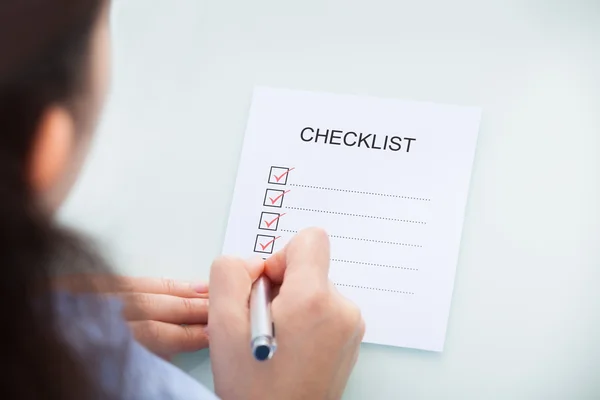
[(200, 287)]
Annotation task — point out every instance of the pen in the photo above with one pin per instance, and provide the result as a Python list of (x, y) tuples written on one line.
[(262, 341)]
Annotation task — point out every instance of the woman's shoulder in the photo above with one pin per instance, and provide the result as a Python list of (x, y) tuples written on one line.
[(95, 330)]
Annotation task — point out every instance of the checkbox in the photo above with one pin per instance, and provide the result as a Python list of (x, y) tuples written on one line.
[(264, 244), (269, 221), (279, 175), (274, 198)]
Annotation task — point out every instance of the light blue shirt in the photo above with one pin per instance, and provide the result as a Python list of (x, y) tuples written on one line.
[(125, 369)]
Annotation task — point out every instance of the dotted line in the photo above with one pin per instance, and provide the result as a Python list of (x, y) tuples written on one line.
[(363, 240), (372, 288), (375, 241), (360, 192), (373, 264), (356, 215)]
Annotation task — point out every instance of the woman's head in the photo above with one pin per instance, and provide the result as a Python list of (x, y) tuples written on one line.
[(53, 77)]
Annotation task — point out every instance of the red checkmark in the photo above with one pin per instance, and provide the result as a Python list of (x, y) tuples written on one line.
[(264, 246), (280, 177), (273, 201), (269, 223)]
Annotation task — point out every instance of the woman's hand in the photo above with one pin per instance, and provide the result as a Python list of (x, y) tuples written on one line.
[(318, 331), (165, 315)]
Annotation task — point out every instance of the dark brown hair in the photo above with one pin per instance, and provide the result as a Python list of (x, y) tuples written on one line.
[(44, 60)]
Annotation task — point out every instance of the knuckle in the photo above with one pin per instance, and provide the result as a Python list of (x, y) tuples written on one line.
[(318, 302), (193, 339), (362, 328), (189, 335), (143, 301), (313, 235), (188, 305), (350, 317), (168, 285), (354, 315)]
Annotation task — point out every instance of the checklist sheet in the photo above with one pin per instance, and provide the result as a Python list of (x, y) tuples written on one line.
[(387, 179)]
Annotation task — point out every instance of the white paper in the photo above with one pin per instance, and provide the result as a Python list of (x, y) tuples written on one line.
[(394, 216)]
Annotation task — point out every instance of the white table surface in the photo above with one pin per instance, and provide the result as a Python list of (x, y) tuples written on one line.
[(525, 319)]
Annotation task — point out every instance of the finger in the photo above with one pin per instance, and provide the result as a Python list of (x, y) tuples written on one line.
[(305, 257), (230, 281), (229, 323), (275, 291), (118, 284), (275, 266), (255, 267), (164, 308), (168, 339), (162, 286)]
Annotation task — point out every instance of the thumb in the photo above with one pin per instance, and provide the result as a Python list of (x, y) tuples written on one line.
[(231, 280)]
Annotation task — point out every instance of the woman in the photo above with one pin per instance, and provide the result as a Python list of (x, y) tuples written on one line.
[(63, 338)]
